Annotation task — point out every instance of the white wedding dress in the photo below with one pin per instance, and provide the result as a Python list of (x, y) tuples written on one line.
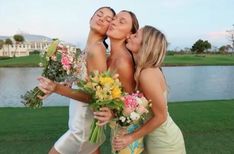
[(76, 139)]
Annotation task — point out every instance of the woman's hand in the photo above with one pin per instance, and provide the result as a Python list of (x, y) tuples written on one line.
[(46, 86), (103, 116), (121, 142)]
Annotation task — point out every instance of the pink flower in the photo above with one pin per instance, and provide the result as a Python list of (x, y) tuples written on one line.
[(130, 101), (65, 60)]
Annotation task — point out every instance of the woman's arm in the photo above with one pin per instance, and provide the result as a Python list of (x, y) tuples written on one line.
[(48, 87), (96, 60), (152, 85)]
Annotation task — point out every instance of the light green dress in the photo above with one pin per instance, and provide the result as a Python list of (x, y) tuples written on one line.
[(166, 139)]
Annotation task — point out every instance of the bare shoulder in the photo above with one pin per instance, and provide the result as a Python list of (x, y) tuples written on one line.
[(97, 49), (150, 75)]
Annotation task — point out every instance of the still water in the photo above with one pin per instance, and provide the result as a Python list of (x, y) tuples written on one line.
[(185, 84)]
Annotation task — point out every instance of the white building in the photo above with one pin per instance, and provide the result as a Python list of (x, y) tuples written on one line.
[(23, 49)]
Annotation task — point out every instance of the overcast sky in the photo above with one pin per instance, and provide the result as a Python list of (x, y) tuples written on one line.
[(183, 21)]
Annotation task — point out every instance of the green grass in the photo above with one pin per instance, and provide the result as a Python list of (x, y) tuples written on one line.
[(208, 127), (27, 61), (170, 60), (180, 60)]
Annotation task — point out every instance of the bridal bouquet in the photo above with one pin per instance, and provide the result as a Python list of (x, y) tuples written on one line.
[(135, 109), (106, 91), (58, 63)]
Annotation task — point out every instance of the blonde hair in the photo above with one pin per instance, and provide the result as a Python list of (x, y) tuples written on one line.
[(152, 51)]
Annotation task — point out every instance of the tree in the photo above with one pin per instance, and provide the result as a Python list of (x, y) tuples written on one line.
[(18, 39), (8, 42), (231, 37), (1, 44), (224, 49), (200, 46)]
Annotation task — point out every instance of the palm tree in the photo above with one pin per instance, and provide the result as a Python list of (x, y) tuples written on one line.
[(18, 39), (8, 42), (1, 44)]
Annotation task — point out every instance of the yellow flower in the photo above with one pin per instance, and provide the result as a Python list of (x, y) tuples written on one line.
[(88, 85), (106, 80), (116, 92)]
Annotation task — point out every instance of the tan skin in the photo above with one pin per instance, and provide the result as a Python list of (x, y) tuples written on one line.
[(96, 60), (153, 86), (120, 60)]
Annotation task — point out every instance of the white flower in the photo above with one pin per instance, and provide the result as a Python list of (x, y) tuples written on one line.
[(144, 101), (122, 118), (139, 101), (134, 116)]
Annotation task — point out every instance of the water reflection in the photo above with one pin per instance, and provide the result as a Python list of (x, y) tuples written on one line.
[(185, 83)]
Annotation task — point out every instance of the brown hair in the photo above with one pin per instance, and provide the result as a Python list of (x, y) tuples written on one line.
[(114, 13), (135, 23)]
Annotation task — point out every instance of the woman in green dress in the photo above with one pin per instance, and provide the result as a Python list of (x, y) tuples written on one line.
[(162, 135)]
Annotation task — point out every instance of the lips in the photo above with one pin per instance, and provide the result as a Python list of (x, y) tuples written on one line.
[(111, 28)]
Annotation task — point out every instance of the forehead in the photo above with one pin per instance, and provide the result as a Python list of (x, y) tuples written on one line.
[(105, 11), (124, 15)]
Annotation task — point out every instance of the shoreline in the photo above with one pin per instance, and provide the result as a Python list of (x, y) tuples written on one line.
[(170, 103), (166, 65), (175, 60)]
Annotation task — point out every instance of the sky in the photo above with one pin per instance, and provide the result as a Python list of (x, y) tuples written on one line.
[(182, 21)]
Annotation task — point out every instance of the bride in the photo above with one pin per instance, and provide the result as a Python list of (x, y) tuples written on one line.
[(75, 140)]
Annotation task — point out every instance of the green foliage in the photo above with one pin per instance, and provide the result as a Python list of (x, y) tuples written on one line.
[(52, 48), (30, 98), (53, 71), (5, 58), (18, 38), (224, 49), (34, 52), (200, 46), (1, 44), (8, 41), (170, 52)]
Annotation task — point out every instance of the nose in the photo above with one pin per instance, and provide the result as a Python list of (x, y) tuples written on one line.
[(101, 19)]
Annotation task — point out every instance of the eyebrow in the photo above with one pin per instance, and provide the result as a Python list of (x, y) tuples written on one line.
[(123, 19), (100, 12)]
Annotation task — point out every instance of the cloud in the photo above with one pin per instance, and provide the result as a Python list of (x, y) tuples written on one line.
[(216, 35)]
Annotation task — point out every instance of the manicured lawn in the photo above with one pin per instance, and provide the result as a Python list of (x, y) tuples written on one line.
[(180, 60), (27, 61), (170, 60), (208, 127)]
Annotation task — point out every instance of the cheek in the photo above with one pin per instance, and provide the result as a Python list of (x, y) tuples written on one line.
[(132, 47)]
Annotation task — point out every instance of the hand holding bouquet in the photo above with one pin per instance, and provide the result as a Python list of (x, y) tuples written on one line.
[(58, 65), (105, 90)]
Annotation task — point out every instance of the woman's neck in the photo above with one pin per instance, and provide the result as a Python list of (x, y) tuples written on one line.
[(117, 47), (93, 37)]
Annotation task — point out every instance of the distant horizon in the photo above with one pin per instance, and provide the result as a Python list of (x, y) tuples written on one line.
[(183, 22)]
